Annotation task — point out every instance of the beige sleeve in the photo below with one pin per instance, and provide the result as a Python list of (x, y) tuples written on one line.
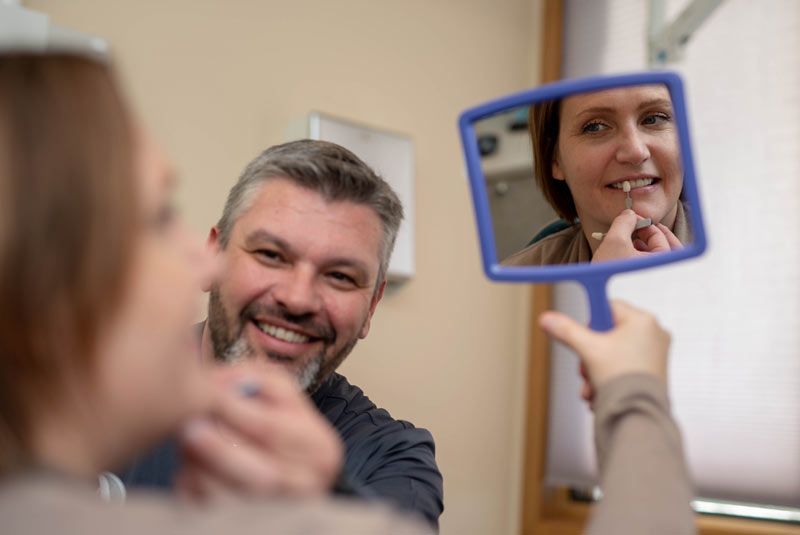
[(53, 503), (645, 483)]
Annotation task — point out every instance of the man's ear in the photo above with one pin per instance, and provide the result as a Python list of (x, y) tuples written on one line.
[(373, 303), (213, 246)]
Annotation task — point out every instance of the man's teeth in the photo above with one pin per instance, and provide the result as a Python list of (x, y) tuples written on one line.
[(283, 334), (638, 183)]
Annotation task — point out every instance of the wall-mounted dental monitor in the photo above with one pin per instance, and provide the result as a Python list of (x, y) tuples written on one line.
[(582, 179)]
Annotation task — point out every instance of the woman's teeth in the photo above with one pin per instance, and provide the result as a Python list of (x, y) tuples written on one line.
[(638, 183), (283, 334)]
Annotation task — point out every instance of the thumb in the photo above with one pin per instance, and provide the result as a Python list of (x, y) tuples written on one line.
[(623, 226), (567, 331), (655, 239), (622, 312)]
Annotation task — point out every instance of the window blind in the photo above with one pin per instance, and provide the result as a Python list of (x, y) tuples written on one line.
[(734, 313)]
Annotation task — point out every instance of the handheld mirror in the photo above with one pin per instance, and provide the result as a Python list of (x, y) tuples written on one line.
[(582, 179)]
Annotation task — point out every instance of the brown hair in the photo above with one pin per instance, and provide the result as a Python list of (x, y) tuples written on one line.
[(68, 215), (544, 126)]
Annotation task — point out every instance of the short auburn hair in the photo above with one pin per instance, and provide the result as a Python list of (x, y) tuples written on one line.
[(544, 119), (67, 219)]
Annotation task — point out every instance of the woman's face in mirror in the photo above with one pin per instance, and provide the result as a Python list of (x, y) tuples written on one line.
[(149, 367), (608, 137)]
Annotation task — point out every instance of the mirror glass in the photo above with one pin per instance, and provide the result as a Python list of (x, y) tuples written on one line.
[(558, 172)]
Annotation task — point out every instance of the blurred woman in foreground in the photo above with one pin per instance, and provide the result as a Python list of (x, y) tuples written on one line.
[(98, 281)]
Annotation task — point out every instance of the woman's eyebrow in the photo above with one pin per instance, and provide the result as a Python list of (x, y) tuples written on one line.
[(656, 102), (596, 109)]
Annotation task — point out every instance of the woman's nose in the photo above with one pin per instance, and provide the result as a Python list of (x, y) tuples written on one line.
[(632, 147)]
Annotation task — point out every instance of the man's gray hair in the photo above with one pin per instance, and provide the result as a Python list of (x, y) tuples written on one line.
[(326, 168)]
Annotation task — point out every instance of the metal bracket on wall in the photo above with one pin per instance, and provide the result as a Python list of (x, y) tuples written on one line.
[(667, 41)]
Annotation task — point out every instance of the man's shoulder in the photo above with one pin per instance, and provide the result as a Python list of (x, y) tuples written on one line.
[(342, 402), (355, 416), (337, 387), (388, 457)]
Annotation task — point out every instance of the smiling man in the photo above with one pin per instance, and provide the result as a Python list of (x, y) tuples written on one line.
[(305, 239), (303, 274)]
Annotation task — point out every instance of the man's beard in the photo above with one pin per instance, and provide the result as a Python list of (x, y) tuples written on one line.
[(232, 346)]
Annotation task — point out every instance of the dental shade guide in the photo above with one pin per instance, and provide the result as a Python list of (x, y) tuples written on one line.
[(639, 226), (626, 187)]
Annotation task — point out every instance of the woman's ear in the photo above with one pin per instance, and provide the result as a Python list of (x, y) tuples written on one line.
[(556, 169)]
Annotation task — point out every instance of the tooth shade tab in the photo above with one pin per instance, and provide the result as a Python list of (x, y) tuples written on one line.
[(626, 186), (283, 334)]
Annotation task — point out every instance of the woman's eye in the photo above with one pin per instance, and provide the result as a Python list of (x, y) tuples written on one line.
[(656, 119), (593, 127)]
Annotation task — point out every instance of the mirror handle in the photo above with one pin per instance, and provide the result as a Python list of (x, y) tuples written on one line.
[(599, 307)]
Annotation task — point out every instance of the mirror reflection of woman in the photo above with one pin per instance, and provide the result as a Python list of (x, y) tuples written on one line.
[(588, 149), (98, 279)]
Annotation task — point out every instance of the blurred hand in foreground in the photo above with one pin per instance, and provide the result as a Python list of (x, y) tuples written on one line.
[(263, 437)]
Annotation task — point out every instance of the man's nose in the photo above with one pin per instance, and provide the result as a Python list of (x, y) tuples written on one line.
[(632, 147), (296, 292)]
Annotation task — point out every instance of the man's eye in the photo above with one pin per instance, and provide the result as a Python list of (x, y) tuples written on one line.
[(342, 278), (656, 119), (269, 254)]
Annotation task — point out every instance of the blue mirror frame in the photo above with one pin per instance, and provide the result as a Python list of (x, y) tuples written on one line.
[(594, 277)]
